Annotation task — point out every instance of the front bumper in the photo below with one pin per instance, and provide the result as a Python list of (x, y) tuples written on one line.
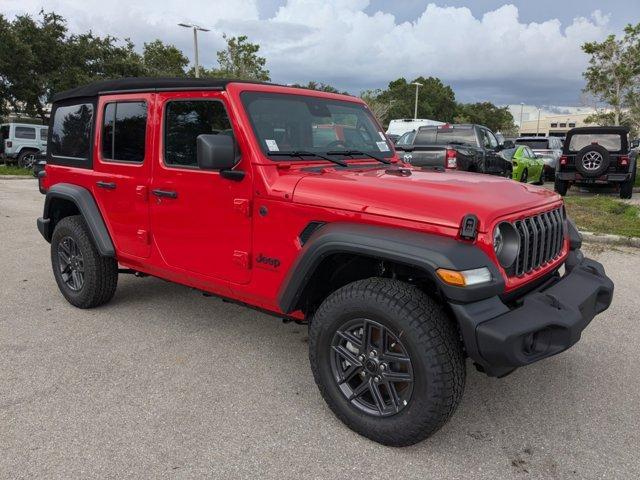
[(543, 322)]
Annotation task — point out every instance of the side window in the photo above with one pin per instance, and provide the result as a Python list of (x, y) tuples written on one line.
[(71, 134), (43, 134), (184, 120), (124, 130), (492, 142), (26, 133)]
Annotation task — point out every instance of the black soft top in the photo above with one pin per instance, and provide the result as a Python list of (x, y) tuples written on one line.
[(146, 84), (617, 129)]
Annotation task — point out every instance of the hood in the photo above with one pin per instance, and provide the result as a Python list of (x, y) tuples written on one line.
[(439, 198)]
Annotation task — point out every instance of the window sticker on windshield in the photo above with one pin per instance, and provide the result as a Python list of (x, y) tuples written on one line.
[(382, 136), (382, 146), (272, 145)]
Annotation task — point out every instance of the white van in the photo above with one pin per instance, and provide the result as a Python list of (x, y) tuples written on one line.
[(19, 141), (403, 125)]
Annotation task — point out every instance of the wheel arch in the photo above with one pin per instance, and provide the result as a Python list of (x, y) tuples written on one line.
[(339, 253), (63, 200)]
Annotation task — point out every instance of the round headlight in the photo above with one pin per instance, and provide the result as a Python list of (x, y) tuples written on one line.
[(506, 244)]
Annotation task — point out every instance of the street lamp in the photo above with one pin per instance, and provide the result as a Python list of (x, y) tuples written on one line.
[(195, 28), (521, 108), (538, 126), (415, 112)]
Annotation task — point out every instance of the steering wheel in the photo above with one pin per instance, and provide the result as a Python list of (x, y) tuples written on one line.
[(336, 143)]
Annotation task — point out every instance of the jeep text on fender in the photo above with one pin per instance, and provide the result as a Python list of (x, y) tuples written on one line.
[(294, 202)]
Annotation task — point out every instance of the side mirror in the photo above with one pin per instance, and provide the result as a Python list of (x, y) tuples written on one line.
[(216, 152), (508, 144), (404, 148), (635, 144)]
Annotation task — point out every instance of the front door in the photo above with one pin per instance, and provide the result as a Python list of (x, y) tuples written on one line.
[(200, 220), (122, 162)]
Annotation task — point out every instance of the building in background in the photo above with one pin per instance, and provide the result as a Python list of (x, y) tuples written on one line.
[(545, 121)]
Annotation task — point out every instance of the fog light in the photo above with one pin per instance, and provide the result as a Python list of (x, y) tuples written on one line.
[(464, 278)]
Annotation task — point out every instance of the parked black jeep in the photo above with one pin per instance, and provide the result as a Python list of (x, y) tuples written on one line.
[(597, 156)]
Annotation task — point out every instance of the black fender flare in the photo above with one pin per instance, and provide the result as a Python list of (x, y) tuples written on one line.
[(427, 252), (86, 204)]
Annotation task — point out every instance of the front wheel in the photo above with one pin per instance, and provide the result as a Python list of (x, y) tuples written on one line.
[(561, 186), (524, 176), (387, 360)]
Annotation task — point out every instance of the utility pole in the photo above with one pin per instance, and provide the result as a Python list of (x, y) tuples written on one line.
[(195, 28), (521, 109), (415, 111), (538, 126)]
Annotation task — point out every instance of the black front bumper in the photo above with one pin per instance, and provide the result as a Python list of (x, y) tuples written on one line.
[(543, 323)]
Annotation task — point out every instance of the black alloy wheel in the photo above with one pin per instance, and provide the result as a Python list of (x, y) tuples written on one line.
[(372, 367), (71, 264)]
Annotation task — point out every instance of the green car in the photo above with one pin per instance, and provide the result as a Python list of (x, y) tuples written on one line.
[(527, 168)]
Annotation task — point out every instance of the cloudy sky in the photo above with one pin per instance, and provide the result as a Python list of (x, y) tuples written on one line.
[(523, 51)]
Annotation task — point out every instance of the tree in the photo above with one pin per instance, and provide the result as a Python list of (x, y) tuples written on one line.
[(436, 100), (320, 86), (240, 60), (162, 60), (613, 74), (487, 114), (379, 107)]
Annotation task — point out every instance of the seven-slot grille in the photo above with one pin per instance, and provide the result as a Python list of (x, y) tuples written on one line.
[(541, 240)]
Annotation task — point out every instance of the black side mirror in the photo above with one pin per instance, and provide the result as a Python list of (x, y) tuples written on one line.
[(216, 152)]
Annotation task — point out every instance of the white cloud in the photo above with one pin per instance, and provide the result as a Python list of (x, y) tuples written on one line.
[(335, 41)]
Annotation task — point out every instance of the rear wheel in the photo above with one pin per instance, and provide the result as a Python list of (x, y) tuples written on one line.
[(626, 188), (26, 159), (561, 186), (84, 277), (387, 360)]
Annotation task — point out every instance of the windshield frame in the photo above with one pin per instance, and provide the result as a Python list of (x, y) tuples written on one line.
[(388, 154)]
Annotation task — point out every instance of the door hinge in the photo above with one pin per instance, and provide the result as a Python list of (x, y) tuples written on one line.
[(143, 236), (243, 205), (241, 259), (142, 192)]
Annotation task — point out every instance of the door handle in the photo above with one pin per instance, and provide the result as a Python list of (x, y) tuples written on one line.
[(107, 185), (165, 193)]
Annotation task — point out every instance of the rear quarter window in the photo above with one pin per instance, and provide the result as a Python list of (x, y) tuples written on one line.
[(71, 134), (25, 133)]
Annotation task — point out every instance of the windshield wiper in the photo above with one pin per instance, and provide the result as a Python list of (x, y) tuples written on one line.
[(353, 153), (302, 154)]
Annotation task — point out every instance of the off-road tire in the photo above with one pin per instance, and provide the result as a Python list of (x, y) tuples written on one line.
[(604, 164), (432, 342), (22, 158), (626, 188), (100, 273), (560, 186)]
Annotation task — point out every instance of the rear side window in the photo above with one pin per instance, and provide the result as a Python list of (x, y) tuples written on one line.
[(26, 133), (124, 129), (4, 132), (71, 135), (184, 121), (610, 141)]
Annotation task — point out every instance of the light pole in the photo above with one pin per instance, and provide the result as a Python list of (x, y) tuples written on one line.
[(415, 111), (538, 126), (521, 109), (195, 28)]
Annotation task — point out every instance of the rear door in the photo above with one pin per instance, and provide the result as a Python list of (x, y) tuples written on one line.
[(122, 162)]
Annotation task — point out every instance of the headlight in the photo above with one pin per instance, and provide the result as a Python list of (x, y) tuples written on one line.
[(506, 244)]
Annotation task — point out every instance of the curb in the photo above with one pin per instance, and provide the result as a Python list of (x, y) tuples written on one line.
[(16, 177), (607, 239)]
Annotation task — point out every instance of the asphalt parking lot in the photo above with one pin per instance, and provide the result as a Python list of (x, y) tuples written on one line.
[(166, 382)]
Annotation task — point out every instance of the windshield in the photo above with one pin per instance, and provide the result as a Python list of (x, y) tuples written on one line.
[(298, 123), (610, 141), (542, 144)]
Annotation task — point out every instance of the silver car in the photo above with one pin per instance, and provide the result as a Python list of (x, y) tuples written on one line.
[(549, 149)]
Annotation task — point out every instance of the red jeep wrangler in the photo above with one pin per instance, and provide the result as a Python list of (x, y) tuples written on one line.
[(294, 202)]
